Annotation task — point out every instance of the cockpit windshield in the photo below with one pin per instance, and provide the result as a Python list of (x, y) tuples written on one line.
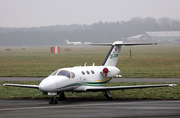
[(54, 73), (64, 73)]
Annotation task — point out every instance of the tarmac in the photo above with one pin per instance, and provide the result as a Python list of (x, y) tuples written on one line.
[(86, 108), (89, 109)]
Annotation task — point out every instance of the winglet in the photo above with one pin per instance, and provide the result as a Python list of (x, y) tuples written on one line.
[(172, 84)]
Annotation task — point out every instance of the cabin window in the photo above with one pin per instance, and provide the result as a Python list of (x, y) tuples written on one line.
[(64, 73), (83, 72), (87, 72), (72, 75), (92, 71)]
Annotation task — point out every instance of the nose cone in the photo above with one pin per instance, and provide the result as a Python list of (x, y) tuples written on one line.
[(51, 83), (44, 85), (48, 84)]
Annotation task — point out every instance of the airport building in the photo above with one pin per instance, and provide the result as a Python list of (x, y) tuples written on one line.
[(158, 36)]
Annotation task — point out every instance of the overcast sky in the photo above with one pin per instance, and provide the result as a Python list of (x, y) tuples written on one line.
[(35, 13)]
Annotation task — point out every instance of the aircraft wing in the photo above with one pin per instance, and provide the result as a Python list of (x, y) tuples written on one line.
[(126, 87), (22, 85)]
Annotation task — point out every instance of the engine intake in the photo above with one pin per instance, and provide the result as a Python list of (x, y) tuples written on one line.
[(105, 71), (110, 71)]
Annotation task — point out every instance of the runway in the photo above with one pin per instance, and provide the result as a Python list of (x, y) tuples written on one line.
[(168, 80), (88, 108)]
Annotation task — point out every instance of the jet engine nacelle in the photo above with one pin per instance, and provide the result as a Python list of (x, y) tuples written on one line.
[(110, 71)]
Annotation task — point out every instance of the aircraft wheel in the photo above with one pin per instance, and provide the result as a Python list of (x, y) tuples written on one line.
[(53, 100), (107, 94), (50, 102), (62, 97), (109, 98)]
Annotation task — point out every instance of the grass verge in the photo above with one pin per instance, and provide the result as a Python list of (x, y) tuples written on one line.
[(159, 61)]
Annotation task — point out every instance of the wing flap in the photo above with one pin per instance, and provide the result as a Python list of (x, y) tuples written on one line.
[(22, 85), (126, 87)]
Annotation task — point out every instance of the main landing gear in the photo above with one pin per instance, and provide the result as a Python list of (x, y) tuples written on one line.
[(62, 96), (54, 100), (108, 96)]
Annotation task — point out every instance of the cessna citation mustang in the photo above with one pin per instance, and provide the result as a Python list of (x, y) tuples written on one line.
[(86, 78)]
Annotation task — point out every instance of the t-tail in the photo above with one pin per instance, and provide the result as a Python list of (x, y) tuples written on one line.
[(113, 54), (67, 41)]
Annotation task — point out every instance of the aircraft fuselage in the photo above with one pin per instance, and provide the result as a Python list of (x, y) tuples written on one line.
[(76, 79)]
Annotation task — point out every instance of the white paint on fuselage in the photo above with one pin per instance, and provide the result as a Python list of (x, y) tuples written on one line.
[(92, 76)]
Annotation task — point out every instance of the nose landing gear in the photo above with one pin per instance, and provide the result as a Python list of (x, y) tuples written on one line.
[(53, 100)]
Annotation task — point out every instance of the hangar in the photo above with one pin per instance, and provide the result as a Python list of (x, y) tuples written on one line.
[(158, 36)]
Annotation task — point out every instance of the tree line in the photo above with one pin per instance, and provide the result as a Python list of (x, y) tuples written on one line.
[(97, 32)]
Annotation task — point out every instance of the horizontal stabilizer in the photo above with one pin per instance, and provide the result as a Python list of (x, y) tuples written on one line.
[(126, 87), (113, 54), (118, 43), (22, 85)]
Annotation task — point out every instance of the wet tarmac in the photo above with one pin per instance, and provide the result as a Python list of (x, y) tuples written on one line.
[(87, 108)]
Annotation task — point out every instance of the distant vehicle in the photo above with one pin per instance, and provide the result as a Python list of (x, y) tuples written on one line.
[(73, 43), (87, 78)]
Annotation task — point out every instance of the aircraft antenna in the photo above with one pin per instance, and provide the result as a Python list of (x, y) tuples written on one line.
[(85, 63)]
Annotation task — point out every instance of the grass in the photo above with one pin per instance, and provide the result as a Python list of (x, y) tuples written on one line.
[(159, 61), (162, 93)]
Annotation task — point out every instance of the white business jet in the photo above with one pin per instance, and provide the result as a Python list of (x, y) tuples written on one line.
[(86, 78), (73, 43)]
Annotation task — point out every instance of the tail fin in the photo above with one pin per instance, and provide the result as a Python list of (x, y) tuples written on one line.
[(67, 41), (113, 54)]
